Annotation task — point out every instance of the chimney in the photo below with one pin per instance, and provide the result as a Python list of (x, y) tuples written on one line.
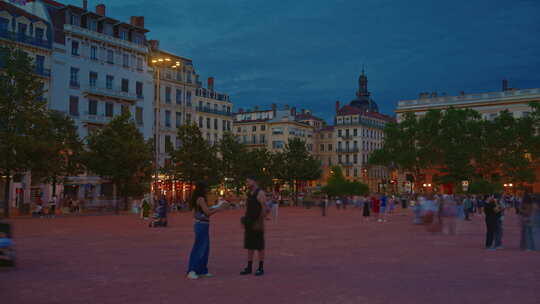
[(337, 106), (274, 108), (100, 9), (303, 111), (293, 111), (505, 85), (256, 108), (85, 5), (154, 44), (137, 21), (211, 83)]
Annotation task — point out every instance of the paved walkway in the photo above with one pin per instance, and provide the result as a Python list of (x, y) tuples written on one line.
[(311, 259)]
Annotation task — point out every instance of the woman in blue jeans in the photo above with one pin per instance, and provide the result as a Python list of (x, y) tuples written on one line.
[(198, 259)]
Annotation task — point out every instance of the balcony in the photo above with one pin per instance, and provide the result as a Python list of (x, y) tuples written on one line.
[(95, 119), (110, 94), (346, 164), (69, 28), (21, 38), (347, 150), (345, 137), (212, 111)]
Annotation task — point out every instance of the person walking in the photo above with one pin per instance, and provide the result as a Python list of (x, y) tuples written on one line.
[(275, 207), (253, 222), (468, 207), (492, 212), (198, 259), (145, 209), (52, 206), (382, 214), (526, 213), (365, 208)]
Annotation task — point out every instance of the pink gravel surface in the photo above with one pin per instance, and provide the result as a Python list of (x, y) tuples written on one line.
[(310, 259)]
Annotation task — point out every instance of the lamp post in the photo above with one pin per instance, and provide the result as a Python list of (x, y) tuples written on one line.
[(508, 187), (159, 63)]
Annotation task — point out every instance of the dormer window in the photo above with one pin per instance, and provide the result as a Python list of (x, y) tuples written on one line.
[(123, 35), (93, 25), (75, 20)]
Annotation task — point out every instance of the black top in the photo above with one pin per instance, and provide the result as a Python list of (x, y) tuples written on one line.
[(490, 211), (253, 207)]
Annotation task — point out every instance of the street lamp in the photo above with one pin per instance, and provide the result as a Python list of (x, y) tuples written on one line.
[(159, 63)]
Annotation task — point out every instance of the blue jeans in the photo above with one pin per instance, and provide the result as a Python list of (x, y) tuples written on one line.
[(499, 232), (527, 237), (198, 259)]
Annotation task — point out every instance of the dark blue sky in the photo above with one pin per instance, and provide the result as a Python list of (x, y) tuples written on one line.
[(309, 53)]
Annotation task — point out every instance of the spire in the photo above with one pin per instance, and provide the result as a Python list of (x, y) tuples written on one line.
[(363, 84)]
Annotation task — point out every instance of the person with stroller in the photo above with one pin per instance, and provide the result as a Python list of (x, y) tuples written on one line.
[(160, 215)]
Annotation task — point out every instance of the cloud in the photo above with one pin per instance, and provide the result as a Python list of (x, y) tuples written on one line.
[(310, 52)]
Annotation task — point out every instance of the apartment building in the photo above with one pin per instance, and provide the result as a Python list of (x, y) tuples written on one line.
[(272, 129)]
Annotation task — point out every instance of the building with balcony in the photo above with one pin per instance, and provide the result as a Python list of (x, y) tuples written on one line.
[(31, 33), (272, 129), (214, 112), (178, 87), (100, 68), (359, 130)]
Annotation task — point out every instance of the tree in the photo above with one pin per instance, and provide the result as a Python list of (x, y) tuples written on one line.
[(22, 116), (195, 159), (119, 153), (232, 166), (61, 149), (297, 164), (261, 164)]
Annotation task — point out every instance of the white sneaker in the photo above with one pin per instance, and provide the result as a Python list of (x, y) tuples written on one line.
[(192, 275), (208, 275)]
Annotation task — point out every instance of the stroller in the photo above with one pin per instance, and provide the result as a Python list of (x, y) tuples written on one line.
[(159, 219), (7, 252)]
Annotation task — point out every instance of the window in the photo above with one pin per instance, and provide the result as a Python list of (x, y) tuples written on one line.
[(277, 131), (75, 20), (201, 120), (109, 109), (208, 123), (139, 89), (93, 79), (254, 139), (125, 85), (339, 133), (74, 77), (167, 118), (262, 138), (215, 124), (167, 95), (93, 52), (168, 143), (109, 82), (178, 96), (228, 125), (322, 148), (139, 64), (125, 109), (110, 56), (123, 35), (189, 77), (355, 159), (108, 29), (188, 98), (40, 34), (277, 144), (4, 24), (254, 129), (125, 60), (93, 25), (22, 29), (75, 48), (263, 127), (355, 132), (40, 61), (139, 115), (224, 125), (178, 119), (74, 105), (92, 107), (329, 147), (355, 172), (188, 118)]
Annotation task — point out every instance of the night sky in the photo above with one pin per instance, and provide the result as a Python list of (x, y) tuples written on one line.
[(309, 53)]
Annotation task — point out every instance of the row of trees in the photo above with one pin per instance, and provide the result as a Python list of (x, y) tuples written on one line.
[(230, 162), (338, 185), (460, 145)]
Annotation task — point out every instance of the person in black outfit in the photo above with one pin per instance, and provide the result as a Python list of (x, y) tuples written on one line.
[(253, 222), (493, 213)]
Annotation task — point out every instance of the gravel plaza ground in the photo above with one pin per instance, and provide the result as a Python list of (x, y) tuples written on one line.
[(310, 259)]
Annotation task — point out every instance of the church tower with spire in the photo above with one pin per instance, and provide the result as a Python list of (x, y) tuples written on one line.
[(363, 99)]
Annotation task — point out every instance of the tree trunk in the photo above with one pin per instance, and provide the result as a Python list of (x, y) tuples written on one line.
[(54, 186), (125, 202), (115, 199), (6, 194)]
